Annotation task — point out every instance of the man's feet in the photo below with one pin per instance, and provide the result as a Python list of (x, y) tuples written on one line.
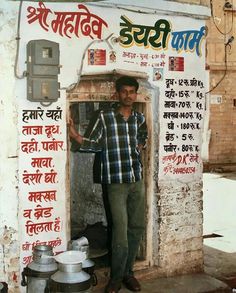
[(112, 287), (132, 283)]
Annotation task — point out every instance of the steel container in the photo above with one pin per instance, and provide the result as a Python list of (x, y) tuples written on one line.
[(70, 278), (36, 275)]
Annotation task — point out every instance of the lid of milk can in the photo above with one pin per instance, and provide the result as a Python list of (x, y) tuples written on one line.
[(70, 257)]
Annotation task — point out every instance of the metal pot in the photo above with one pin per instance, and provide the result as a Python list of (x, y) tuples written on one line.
[(39, 270), (88, 265), (78, 243), (70, 277)]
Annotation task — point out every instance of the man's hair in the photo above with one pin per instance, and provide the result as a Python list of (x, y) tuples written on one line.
[(126, 80)]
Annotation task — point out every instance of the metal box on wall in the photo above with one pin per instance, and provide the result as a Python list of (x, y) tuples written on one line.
[(42, 71)]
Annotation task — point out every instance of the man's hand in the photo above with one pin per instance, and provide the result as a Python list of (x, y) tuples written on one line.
[(140, 147), (73, 133)]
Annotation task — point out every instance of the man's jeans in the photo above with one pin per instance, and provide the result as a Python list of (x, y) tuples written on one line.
[(127, 203)]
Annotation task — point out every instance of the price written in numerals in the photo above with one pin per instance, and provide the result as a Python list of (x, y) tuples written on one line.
[(192, 125), (187, 136), (190, 148)]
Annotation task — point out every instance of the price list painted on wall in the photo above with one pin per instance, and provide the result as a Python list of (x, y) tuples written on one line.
[(182, 119)]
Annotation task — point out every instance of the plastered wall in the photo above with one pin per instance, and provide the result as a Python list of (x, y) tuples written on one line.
[(222, 105), (9, 225)]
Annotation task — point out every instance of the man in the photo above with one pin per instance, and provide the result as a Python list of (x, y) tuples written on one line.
[(120, 134)]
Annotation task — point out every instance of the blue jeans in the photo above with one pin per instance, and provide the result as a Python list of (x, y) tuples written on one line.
[(127, 203)]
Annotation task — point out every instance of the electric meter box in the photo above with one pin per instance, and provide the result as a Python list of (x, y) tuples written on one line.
[(42, 71)]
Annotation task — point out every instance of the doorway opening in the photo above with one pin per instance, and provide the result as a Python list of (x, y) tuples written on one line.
[(87, 207)]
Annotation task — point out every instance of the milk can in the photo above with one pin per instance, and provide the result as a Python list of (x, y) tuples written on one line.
[(88, 265), (70, 277), (39, 270)]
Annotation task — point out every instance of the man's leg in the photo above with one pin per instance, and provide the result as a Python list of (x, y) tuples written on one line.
[(108, 218), (136, 222), (117, 194)]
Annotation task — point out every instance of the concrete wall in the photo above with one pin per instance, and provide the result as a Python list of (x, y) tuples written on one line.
[(9, 226), (180, 229), (222, 147)]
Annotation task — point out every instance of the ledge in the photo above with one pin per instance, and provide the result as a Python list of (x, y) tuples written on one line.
[(161, 7)]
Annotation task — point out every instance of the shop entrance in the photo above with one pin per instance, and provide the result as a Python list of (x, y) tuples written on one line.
[(87, 207)]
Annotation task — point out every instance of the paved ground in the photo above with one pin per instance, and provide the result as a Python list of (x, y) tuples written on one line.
[(219, 208), (198, 283)]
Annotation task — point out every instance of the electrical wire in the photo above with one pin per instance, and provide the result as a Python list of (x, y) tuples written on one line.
[(225, 70), (106, 40), (213, 18), (227, 44), (18, 44)]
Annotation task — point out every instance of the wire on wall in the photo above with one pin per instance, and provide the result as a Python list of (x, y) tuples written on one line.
[(213, 18), (108, 40), (18, 45), (225, 70), (227, 44)]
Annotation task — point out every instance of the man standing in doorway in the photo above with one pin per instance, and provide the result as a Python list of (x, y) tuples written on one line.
[(120, 134)]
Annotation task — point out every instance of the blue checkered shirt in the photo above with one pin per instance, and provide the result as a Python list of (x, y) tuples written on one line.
[(117, 140)]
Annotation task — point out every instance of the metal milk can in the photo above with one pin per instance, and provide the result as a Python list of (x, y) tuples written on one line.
[(70, 277), (39, 270), (88, 265)]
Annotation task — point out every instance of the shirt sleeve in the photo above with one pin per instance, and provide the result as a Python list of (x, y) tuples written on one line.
[(142, 132), (92, 141)]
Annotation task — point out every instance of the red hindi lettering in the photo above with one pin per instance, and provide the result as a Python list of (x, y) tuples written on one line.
[(27, 213), (40, 14), (57, 225), (40, 212), (29, 146), (55, 243), (36, 228), (41, 162), (38, 242), (27, 259), (33, 178), (50, 177), (26, 246), (32, 130), (52, 129), (35, 196), (38, 196), (50, 195), (64, 23), (95, 26), (52, 145)]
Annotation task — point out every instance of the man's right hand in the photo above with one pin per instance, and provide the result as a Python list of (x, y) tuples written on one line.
[(73, 133)]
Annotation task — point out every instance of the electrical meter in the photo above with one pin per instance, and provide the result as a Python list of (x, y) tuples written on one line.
[(42, 71)]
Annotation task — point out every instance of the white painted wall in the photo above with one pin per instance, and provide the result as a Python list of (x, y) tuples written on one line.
[(9, 225), (8, 117)]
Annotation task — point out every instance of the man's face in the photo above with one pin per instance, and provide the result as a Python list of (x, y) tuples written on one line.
[(127, 95)]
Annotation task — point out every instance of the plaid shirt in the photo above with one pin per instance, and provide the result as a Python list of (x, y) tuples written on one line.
[(117, 140)]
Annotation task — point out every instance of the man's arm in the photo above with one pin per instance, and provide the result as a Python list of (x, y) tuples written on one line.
[(73, 133), (93, 136)]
